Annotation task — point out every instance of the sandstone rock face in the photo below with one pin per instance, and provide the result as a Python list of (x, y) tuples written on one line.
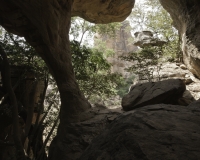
[(140, 95), (186, 18), (121, 44), (102, 11), (145, 38), (153, 132)]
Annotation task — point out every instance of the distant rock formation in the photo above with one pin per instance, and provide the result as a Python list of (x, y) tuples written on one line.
[(146, 38), (121, 45)]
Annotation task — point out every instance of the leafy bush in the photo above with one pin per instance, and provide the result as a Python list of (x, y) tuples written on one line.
[(92, 72), (143, 60), (123, 88)]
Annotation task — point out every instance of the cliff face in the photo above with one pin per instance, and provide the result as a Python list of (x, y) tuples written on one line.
[(186, 18), (121, 44)]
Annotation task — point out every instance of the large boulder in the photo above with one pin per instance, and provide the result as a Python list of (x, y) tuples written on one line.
[(171, 70), (186, 18), (150, 133), (146, 38), (167, 91)]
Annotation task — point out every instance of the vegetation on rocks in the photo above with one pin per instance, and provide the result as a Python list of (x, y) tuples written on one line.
[(151, 16), (92, 72)]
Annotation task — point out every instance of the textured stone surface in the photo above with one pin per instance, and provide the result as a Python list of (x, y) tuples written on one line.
[(102, 11), (179, 71), (171, 70), (80, 135), (140, 95), (154, 132), (97, 11), (146, 38), (186, 18)]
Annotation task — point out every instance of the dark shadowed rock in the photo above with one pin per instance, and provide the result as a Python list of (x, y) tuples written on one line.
[(195, 103), (167, 91), (79, 135), (157, 132)]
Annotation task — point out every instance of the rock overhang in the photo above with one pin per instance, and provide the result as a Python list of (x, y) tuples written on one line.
[(15, 18), (186, 18), (103, 11)]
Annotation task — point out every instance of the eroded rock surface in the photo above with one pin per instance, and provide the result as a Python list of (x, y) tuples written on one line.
[(97, 11), (102, 11), (79, 135), (140, 95), (171, 70), (153, 132), (146, 38), (186, 18)]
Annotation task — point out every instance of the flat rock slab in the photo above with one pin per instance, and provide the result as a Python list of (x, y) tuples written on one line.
[(167, 91), (156, 132)]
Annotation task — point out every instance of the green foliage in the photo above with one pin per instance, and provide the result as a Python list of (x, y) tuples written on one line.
[(20, 53), (101, 45), (123, 88), (143, 61), (108, 29), (150, 15), (83, 31), (92, 71)]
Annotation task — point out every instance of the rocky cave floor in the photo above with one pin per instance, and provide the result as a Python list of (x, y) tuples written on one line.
[(157, 120)]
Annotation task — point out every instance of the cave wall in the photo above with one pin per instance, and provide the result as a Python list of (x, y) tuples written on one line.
[(186, 18)]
